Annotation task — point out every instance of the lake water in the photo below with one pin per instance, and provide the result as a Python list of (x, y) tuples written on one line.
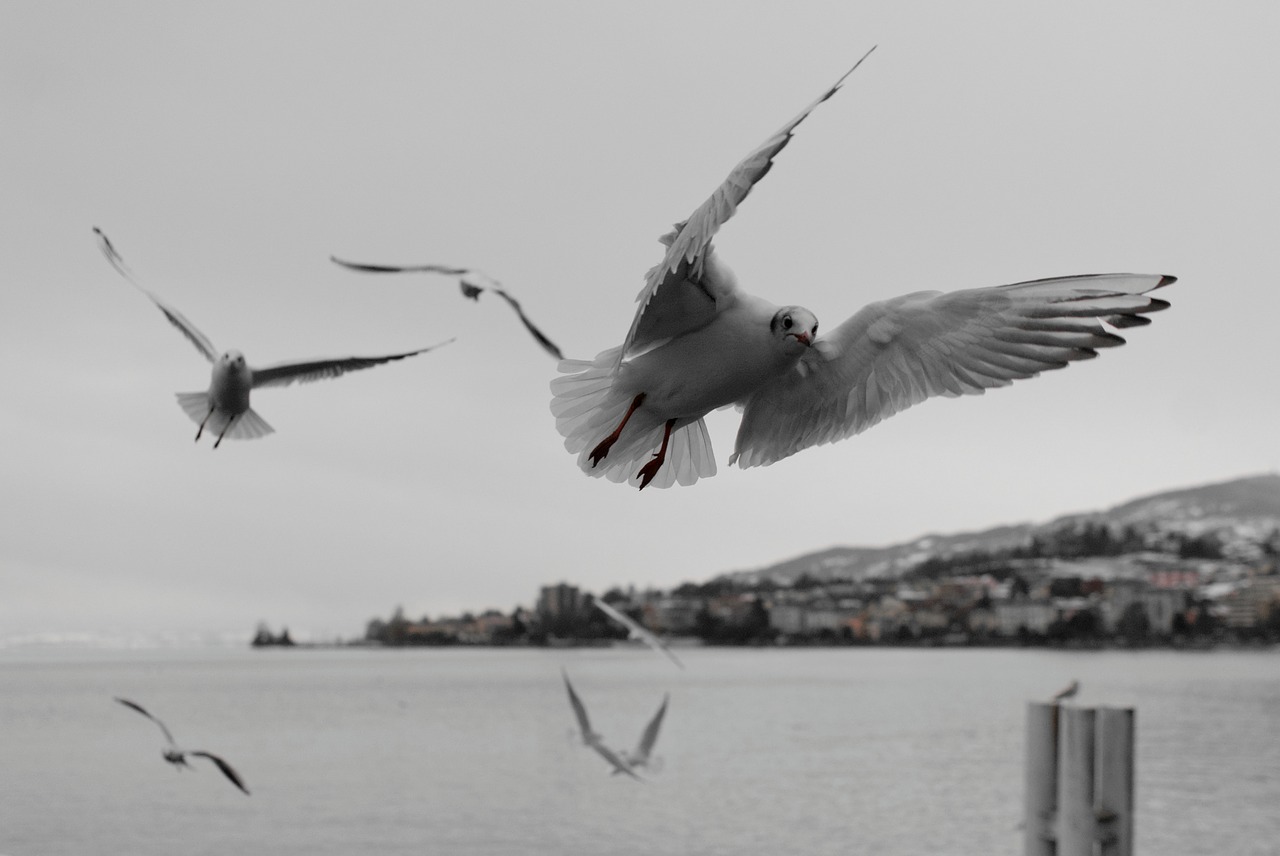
[(472, 751)]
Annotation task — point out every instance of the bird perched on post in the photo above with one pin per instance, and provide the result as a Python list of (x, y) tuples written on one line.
[(698, 342)]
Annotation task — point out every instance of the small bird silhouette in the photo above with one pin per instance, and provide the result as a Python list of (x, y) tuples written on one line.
[(178, 757), (224, 408), (473, 282), (1067, 692)]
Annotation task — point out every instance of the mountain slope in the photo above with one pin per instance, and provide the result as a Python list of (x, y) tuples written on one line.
[(1252, 502)]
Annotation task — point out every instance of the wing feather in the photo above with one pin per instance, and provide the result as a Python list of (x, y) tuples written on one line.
[(678, 279), (225, 768), (176, 318), (899, 352), (283, 374), (650, 735), (142, 710)]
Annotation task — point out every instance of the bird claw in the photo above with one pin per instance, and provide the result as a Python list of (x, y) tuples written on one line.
[(601, 450), (649, 470)]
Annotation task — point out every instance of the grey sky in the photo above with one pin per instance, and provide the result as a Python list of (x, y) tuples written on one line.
[(229, 149)]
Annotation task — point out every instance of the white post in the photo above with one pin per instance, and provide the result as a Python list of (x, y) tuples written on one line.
[(1041, 778), (1113, 794)]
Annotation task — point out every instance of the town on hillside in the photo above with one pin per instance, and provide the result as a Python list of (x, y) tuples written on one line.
[(1081, 584)]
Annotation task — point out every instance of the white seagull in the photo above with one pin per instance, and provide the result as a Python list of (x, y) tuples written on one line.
[(594, 740), (178, 757), (473, 282), (637, 631), (224, 408), (699, 343)]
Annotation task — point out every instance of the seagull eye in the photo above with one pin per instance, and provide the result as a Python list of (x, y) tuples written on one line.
[(786, 322), (814, 332)]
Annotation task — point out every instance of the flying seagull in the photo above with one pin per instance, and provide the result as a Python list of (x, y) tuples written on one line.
[(224, 408), (699, 343), (637, 631), (640, 757), (1067, 692), (472, 282), (591, 738), (178, 757)]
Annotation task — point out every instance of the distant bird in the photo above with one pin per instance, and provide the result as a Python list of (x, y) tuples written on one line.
[(224, 408), (1067, 692), (591, 738), (472, 282), (640, 756), (698, 343), (637, 631), (178, 757)]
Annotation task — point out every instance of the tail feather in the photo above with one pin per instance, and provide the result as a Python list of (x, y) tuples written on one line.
[(246, 426), (588, 407)]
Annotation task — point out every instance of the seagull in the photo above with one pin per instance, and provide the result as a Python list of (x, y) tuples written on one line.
[(472, 282), (178, 757), (640, 757), (594, 740), (637, 631), (224, 408), (1067, 692), (699, 343)]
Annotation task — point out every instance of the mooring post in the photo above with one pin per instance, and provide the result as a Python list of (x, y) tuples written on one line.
[(1079, 781), (1041, 779), (1113, 795)]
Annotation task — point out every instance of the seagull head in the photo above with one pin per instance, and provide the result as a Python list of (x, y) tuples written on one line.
[(795, 326)]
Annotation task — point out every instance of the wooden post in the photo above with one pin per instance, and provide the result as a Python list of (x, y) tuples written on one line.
[(1079, 781), (1041, 779)]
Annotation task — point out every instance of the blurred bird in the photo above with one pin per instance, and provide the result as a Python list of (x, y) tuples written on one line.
[(594, 740), (224, 408), (178, 757), (472, 282), (699, 343), (636, 631), (1067, 692), (640, 756)]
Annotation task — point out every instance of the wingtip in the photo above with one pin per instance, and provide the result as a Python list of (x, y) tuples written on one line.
[(1166, 279)]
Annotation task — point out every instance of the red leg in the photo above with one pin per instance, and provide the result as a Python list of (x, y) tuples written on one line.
[(603, 447), (649, 470), (225, 429)]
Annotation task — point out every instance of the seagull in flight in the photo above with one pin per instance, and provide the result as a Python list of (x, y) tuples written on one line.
[(224, 408), (698, 343), (637, 631), (473, 282), (594, 740), (178, 757), (640, 756)]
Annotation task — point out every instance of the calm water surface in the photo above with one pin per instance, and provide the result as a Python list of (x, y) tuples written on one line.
[(472, 752)]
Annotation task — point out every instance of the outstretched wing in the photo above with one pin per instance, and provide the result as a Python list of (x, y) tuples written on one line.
[(650, 735), (579, 711), (225, 768), (675, 298), (283, 374), (470, 288), (637, 630), (898, 352), (176, 318), (142, 710)]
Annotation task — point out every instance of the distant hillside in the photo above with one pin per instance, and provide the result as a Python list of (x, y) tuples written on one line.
[(1252, 502)]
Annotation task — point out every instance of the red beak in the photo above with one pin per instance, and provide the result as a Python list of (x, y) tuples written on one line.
[(803, 338)]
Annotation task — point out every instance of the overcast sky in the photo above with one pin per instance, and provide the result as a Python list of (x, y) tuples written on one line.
[(229, 148)]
